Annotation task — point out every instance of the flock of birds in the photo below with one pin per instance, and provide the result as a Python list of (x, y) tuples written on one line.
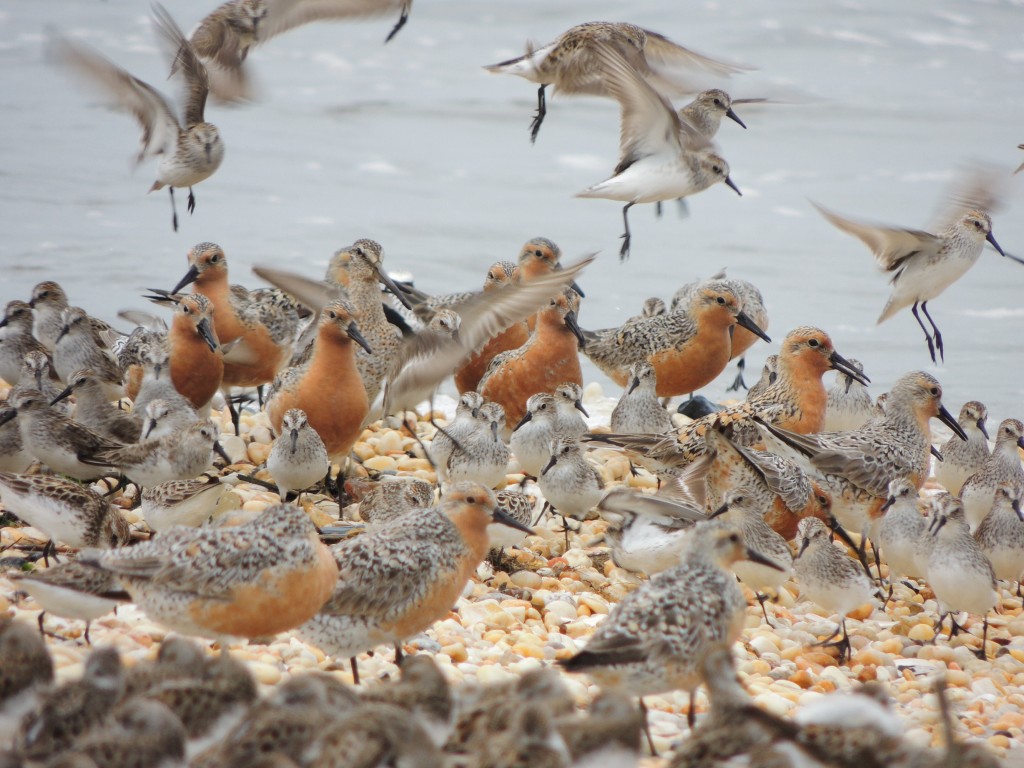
[(755, 491)]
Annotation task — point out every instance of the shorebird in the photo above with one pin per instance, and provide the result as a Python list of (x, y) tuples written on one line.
[(923, 265), (520, 507), (181, 502), (571, 485), (647, 534), (14, 457), (827, 577), (64, 445), (257, 579), (962, 459), (639, 409), (381, 734), (78, 348), (568, 407), (26, 671), (572, 63), (139, 732), (48, 303), (37, 373), (190, 149), (163, 418), (396, 581), (224, 38), (393, 497), (94, 410), (16, 340), (531, 439), (1003, 466), (661, 157), (959, 573), (157, 385), (850, 405), (654, 639), (740, 507), (423, 692), (769, 373), (329, 388), (298, 459), (178, 456), (1001, 534), (466, 421), (481, 455), (901, 530), (549, 358), (195, 358), (70, 590), (688, 348)]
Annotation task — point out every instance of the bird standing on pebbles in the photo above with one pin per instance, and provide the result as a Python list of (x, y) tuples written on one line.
[(298, 458)]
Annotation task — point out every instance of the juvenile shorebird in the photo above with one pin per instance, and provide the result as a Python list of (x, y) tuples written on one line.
[(14, 457), (707, 109), (64, 445), (520, 507), (1003, 466), (901, 530), (923, 265), (16, 340), (959, 573), (181, 502), (224, 38), (298, 459), (549, 358), (94, 410), (69, 710), (829, 578), (191, 150), (178, 456), (739, 507), (647, 534), (393, 497), (571, 64), (423, 692), (571, 485), (48, 303), (962, 459), (769, 373), (568, 407), (481, 455), (688, 348), (380, 734), (639, 409), (466, 422), (70, 590), (253, 580), (1001, 534), (396, 581), (77, 348), (156, 384), (655, 638), (661, 157), (26, 670), (64, 510), (531, 438), (850, 405), (37, 373), (164, 419), (139, 732), (329, 388)]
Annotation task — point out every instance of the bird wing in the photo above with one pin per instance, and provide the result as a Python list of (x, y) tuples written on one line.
[(184, 60), (675, 69), (892, 246), (315, 294), (160, 127), (975, 187), (283, 15)]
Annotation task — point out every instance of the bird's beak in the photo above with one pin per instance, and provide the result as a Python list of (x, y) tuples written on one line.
[(1016, 508), (188, 279), (991, 238), (981, 426), (9, 416), (64, 393), (947, 418), (294, 434), (149, 429), (729, 182), (935, 452), (756, 557), (572, 325), (206, 332), (219, 449), (803, 545), (551, 462), (390, 285), (888, 503), (733, 116), (494, 430), (841, 364), (501, 517), (576, 287), (61, 335), (579, 407), (1020, 442), (743, 320), (936, 525), (357, 337), (720, 511), (526, 418), (633, 385)]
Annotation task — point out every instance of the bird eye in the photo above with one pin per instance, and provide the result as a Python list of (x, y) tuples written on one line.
[(716, 168), (934, 390), (721, 300), (822, 500), (812, 343), (718, 102), (734, 538), (977, 225), (471, 499), (738, 500), (537, 253), (332, 315), (44, 294), (544, 407)]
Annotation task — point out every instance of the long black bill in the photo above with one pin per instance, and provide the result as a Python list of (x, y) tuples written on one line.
[(947, 418), (730, 183), (3, 323), (206, 332), (9, 416), (720, 511), (743, 320), (391, 286), (579, 407), (526, 418), (572, 325), (188, 279), (995, 245), (357, 337), (843, 365), (501, 517), (756, 557), (294, 435), (888, 503), (576, 287), (1016, 508), (935, 452), (219, 450), (733, 116), (66, 392), (551, 462), (981, 426), (633, 385), (61, 335)]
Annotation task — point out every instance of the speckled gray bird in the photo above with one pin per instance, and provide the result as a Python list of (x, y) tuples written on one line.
[(1003, 466), (639, 409), (298, 458), (961, 459)]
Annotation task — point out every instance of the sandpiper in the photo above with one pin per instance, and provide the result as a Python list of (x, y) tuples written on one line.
[(181, 502), (70, 590), (962, 459), (16, 340), (298, 459), (1003, 466), (639, 409), (93, 409)]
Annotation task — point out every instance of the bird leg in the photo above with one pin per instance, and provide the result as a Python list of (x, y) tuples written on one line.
[(738, 383), (191, 201), (626, 237), (657, 209), (935, 328), (927, 335), (843, 643), (980, 653), (174, 210), (762, 598), (542, 110), (401, 23), (647, 728), (684, 207), (399, 655), (355, 670)]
